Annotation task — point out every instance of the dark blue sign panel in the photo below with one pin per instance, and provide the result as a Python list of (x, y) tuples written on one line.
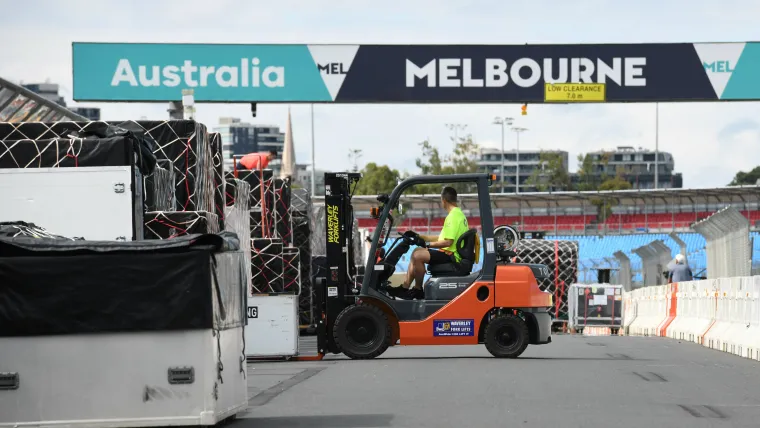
[(414, 74), (453, 327)]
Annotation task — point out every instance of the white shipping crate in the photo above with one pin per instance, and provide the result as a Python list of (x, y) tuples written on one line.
[(166, 378), (272, 329), (94, 203)]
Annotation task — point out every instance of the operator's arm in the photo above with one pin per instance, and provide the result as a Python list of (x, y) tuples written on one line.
[(435, 243)]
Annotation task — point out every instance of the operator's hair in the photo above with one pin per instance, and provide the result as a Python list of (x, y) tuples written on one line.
[(449, 195), (273, 153)]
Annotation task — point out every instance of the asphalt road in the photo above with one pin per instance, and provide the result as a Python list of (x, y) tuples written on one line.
[(574, 382)]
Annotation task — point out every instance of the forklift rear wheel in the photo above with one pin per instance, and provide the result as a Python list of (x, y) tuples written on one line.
[(362, 332), (506, 336)]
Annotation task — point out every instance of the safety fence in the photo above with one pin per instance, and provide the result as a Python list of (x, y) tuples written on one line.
[(722, 313), (655, 258), (729, 248), (590, 270)]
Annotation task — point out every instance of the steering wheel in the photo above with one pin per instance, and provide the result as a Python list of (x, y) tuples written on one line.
[(411, 237)]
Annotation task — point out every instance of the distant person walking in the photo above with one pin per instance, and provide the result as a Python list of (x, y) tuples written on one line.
[(680, 271)]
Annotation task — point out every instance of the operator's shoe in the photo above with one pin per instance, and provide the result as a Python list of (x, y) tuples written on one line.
[(396, 291), (414, 293)]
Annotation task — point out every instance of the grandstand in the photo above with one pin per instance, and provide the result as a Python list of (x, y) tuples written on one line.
[(638, 218)]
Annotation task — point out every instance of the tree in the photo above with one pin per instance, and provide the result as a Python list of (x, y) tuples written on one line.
[(589, 180), (586, 177), (604, 206), (551, 173), (377, 179), (745, 178), (463, 160)]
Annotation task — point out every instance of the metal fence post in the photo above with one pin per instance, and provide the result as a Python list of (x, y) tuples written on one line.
[(664, 257), (625, 275), (649, 262), (681, 244)]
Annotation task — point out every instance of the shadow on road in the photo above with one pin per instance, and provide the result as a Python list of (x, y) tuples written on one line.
[(321, 421), (610, 357)]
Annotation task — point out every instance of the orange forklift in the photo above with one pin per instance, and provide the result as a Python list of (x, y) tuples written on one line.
[(500, 305)]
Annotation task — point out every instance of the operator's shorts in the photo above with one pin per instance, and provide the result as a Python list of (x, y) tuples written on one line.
[(439, 257)]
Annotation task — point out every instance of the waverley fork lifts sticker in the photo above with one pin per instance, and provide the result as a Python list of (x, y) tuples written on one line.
[(453, 327)]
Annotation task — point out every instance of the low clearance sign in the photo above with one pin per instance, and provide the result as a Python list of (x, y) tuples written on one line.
[(414, 73)]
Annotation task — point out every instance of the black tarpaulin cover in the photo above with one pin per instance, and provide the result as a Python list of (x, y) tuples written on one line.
[(183, 142), (65, 152), (12, 229), (99, 144), (55, 286)]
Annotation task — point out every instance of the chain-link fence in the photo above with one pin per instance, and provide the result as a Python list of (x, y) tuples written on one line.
[(655, 258), (729, 249), (588, 270)]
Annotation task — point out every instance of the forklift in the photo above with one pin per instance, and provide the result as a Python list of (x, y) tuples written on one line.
[(501, 305)]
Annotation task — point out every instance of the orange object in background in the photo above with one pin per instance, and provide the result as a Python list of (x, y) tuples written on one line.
[(253, 161)]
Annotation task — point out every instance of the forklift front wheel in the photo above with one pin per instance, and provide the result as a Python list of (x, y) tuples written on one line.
[(506, 336), (362, 331)]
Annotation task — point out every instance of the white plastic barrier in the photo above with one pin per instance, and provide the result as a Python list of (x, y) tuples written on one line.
[(695, 310), (629, 311), (722, 313), (653, 306), (751, 339)]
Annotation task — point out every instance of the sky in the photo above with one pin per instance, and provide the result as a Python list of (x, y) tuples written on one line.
[(709, 141)]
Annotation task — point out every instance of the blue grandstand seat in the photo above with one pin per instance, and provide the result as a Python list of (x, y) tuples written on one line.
[(594, 249)]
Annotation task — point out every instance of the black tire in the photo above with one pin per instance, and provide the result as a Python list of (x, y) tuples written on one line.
[(506, 336), (362, 332)]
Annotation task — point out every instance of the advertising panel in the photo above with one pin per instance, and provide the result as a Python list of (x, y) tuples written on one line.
[(417, 73)]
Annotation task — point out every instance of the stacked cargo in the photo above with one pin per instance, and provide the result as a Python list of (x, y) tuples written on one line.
[(179, 188), (300, 211), (561, 257), (132, 213), (237, 216)]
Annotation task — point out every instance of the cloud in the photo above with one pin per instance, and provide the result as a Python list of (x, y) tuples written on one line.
[(710, 141)]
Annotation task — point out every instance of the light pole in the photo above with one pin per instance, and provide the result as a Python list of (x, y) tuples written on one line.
[(455, 127), (656, 145), (313, 163), (353, 156), (518, 131), (503, 122)]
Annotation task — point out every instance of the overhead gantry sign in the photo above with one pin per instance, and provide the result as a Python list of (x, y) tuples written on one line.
[(418, 73)]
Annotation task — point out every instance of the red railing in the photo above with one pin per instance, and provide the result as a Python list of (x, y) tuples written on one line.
[(572, 223)]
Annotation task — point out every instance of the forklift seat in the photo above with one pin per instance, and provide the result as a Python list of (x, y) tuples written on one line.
[(466, 248)]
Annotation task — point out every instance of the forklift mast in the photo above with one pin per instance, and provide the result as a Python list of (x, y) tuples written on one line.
[(338, 286)]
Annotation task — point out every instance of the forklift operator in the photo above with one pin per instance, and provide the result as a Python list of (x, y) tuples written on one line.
[(436, 249)]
